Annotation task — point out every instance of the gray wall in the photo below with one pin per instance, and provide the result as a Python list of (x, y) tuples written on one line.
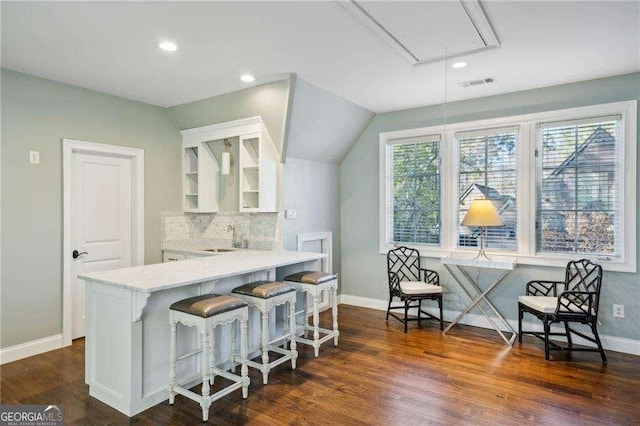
[(363, 267), (36, 115), (323, 126), (313, 190), (268, 101)]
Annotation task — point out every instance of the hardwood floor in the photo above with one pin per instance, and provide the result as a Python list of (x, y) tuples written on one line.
[(377, 375)]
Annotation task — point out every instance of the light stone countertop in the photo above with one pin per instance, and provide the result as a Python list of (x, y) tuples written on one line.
[(196, 250), (162, 276)]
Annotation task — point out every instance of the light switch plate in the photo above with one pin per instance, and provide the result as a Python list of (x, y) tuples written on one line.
[(618, 311), (34, 157), (290, 214)]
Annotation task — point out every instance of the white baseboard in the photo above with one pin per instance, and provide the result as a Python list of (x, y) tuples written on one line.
[(363, 302), (35, 347), (611, 343)]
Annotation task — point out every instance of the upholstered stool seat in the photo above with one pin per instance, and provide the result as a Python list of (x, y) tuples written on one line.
[(314, 283), (265, 295), (206, 312), (208, 305)]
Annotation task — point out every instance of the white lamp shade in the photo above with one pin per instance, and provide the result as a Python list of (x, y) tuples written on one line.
[(482, 213), (225, 167)]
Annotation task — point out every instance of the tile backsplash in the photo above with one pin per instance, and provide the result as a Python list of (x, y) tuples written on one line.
[(259, 231)]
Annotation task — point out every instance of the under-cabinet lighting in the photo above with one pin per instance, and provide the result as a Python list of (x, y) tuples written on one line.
[(247, 78), (459, 65)]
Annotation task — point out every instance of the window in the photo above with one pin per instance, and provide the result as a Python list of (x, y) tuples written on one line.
[(413, 180), (487, 169), (562, 181), (578, 202)]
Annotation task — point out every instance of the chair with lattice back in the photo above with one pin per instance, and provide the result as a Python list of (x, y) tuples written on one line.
[(411, 284), (575, 299)]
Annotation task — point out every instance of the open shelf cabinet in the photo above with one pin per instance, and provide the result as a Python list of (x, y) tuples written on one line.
[(257, 173)]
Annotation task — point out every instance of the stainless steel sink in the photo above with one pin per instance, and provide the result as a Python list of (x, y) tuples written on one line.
[(218, 250)]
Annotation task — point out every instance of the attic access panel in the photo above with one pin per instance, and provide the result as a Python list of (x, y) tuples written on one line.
[(428, 31)]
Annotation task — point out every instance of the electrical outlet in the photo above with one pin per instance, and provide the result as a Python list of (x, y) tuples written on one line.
[(618, 311), (290, 214), (34, 157)]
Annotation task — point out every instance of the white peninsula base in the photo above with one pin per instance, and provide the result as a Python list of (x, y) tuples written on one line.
[(127, 321)]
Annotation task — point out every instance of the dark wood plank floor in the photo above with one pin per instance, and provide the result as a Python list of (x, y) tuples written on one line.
[(377, 375)]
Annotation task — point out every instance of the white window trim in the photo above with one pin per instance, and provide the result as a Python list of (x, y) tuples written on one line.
[(526, 187)]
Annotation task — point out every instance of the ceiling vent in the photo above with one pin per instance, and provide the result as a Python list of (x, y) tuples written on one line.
[(480, 82)]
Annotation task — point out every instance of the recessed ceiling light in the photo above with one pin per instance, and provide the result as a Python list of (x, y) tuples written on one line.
[(459, 65), (247, 78), (169, 46)]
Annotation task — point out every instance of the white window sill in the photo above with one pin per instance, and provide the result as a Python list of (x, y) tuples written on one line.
[(544, 259)]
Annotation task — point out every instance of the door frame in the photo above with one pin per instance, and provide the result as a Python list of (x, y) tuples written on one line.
[(69, 147)]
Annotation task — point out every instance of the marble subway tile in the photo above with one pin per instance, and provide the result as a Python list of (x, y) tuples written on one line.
[(262, 231)]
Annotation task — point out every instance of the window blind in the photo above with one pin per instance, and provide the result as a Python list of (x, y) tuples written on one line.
[(487, 169), (413, 188), (579, 175)]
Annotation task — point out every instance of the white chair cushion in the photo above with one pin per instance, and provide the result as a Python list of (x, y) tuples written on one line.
[(544, 304), (419, 287), (547, 304)]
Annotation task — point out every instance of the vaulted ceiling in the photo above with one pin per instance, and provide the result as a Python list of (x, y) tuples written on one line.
[(383, 56)]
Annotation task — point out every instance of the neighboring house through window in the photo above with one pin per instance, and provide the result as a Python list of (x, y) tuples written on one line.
[(487, 169), (578, 201)]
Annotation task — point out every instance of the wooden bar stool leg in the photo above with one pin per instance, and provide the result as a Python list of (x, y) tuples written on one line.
[(173, 355), (316, 325), (334, 308), (205, 403), (265, 346), (212, 358), (307, 326), (234, 345), (244, 369), (292, 331), (285, 324)]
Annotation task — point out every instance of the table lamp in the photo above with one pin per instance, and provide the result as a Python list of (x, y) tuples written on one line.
[(482, 214)]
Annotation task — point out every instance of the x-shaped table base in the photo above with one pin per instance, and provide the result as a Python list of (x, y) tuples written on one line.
[(475, 293)]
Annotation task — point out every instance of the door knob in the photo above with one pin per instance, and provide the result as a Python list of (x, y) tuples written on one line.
[(77, 254)]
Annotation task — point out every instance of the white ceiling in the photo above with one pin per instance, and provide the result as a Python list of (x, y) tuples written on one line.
[(112, 47)]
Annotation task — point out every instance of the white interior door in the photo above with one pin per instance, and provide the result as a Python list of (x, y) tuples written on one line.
[(101, 222)]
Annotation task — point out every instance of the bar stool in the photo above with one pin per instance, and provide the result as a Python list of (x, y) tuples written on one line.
[(264, 295), (315, 283), (206, 312)]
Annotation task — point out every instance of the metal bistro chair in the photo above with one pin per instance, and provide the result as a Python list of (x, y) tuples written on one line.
[(411, 284), (575, 299)]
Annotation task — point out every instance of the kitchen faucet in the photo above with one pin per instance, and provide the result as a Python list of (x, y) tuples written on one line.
[(236, 243)]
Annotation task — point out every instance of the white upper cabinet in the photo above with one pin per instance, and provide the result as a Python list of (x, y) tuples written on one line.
[(251, 186), (200, 179)]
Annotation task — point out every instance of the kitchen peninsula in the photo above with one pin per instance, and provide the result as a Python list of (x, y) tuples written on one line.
[(127, 320)]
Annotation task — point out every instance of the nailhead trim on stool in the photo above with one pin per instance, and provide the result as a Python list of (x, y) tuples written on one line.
[(264, 295), (206, 312), (315, 283)]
